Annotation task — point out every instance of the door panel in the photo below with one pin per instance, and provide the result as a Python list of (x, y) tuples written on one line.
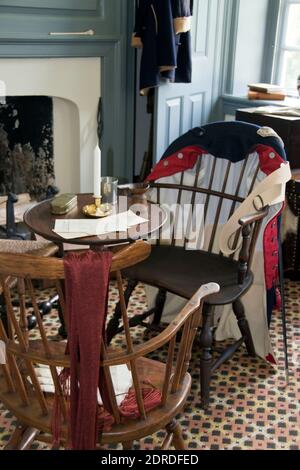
[(179, 107), (173, 117), (196, 109)]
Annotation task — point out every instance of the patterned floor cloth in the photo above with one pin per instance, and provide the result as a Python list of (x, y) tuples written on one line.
[(251, 406)]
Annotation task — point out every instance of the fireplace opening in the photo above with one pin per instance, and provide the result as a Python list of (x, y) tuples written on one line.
[(73, 85), (26, 146)]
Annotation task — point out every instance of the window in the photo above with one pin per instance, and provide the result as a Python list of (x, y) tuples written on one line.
[(287, 64)]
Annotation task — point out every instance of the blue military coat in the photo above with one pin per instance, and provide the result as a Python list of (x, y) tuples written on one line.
[(162, 29)]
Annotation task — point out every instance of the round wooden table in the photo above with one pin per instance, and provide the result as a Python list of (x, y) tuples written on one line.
[(41, 221)]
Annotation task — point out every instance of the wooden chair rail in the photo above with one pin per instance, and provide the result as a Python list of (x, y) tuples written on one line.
[(193, 189), (36, 267), (210, 192), (59, 359), (251, 225)]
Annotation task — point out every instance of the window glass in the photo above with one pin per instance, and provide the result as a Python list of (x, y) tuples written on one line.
[(290, 70), (293, 26)]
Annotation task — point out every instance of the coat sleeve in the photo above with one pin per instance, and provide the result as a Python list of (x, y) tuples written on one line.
[(182, 14), (167, 51), (136, 39)]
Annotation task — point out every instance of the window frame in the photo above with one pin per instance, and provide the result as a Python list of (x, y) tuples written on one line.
[(280, 46)]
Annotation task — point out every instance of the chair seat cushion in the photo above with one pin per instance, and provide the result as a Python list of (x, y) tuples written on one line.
[(39, 248), (182, 272)]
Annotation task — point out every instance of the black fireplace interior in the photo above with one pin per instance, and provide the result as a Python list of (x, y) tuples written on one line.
[(26, 145)]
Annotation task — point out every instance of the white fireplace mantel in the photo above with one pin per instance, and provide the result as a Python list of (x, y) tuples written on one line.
[(75, 85)]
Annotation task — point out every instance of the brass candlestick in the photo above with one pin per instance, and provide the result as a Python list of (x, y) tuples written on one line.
[(98, 202), (97, 209)]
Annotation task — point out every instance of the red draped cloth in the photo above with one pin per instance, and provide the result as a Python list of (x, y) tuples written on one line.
[(87, 280)]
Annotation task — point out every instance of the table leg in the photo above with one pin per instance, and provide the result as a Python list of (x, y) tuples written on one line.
[(3, 313)]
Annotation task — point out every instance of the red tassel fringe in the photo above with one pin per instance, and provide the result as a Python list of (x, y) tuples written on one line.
[(128, 408)]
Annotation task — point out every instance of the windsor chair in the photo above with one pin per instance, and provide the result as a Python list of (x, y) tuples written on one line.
[(20, 389), (212, 171)]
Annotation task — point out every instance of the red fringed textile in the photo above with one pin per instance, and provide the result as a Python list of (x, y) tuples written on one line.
[(151, 399), (105, 421), (129, 407), (86, 279)]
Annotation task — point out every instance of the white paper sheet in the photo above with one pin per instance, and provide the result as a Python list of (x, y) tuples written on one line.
[(79, 228), (120, 375)]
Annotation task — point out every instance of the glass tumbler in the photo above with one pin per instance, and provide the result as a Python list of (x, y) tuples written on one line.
[(109, 190)]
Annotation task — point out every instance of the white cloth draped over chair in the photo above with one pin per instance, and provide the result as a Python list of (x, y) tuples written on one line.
[(246, 164)]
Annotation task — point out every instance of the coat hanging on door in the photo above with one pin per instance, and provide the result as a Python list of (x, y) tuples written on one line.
[(163, 30)]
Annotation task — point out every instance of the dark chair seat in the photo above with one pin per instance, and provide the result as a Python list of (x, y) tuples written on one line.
[(182, 272)]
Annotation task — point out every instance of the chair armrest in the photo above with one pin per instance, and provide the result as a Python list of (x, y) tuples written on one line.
[(193, 305), (249, 235), (255, 217)]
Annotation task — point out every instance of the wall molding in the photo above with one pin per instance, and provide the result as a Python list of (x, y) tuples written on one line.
[(219, 65), (227, 30), (88, 5), (231, 19), (270, 41)]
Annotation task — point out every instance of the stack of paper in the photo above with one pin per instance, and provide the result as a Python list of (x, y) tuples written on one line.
[(78, 228), (291, 111), (266, 91), (265, 87)]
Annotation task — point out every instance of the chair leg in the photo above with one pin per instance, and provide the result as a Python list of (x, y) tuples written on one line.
[(62, 331), (159, 306), (239, 311), (15, 438), (174, 428), (113, 324), (46, 306), (22, 437), (31, 319), (206, 341), (127, 445), (3, 313), (28, 438)]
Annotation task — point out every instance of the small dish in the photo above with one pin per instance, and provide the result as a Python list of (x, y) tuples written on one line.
[(91, 210)]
